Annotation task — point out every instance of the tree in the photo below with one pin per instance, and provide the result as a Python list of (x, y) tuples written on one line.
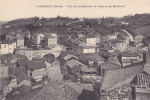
[(50, 58)]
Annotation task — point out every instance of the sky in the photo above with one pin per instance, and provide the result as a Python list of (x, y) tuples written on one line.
[(15, 9)]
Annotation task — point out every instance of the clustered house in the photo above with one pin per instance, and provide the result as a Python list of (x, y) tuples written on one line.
[(95, 63)]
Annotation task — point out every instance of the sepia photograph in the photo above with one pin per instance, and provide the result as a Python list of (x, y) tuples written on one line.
[(74, 50)]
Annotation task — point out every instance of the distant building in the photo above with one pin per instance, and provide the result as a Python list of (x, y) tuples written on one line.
[(107, 66), (91, 41), (129, 58), (84, 45), (7, 47), (91, 60), (37, 38), (119, 45), (106, 38), (138, 39), (38, 53), (24, 51), (51, 40), (36, 70), (20, 40), (10, 36)]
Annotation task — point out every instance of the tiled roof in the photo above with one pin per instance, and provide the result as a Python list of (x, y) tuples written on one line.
[(93, 57), (21, 74), (128, 54), (69, 56), (108, 65), (71, 63), (86, 69), (22, 62), (79, 87), (13, 56), (114, 60), (97, 56), (121, 76), (35, 65)]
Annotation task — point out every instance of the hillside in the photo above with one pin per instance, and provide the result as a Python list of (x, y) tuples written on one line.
[(137, 21), (145, 31)]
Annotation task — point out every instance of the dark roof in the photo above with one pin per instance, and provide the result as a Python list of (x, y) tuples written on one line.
[(121, 76), (71, 63), (22, 62), (35, 65), (114, 60), (12, 56), (108, 65), (79, 87), (87, 95), (21, 74), (128, 54), (69, 56), (92, 57), (11, 70)]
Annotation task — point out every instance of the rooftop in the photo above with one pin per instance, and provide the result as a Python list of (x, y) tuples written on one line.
[(69, 56), (129, 54), (71, 63), (35, 65), (121, 76), (108, 66)]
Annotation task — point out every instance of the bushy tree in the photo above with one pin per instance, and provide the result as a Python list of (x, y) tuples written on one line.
[(50, 58)]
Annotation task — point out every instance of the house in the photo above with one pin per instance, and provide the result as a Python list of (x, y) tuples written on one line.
[(128, 58), (37, 38), (120, 45), (51, 40), (107, 66), (114, 60), (128, 83), (7, 47), (20, 40), (104, 49), (24, 51), (77, 50), (92, 60), (138, 39), (37, 53), (78, 72), (73, 69), (10, 37), (91, 40), (36, 70), (8, 59), (84, 45), (89, 75), (106, 38)]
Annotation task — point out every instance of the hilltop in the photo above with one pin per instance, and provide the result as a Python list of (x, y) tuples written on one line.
[(136, 24)]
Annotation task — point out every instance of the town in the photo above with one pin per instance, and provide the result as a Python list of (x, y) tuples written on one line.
[(66, 58)]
